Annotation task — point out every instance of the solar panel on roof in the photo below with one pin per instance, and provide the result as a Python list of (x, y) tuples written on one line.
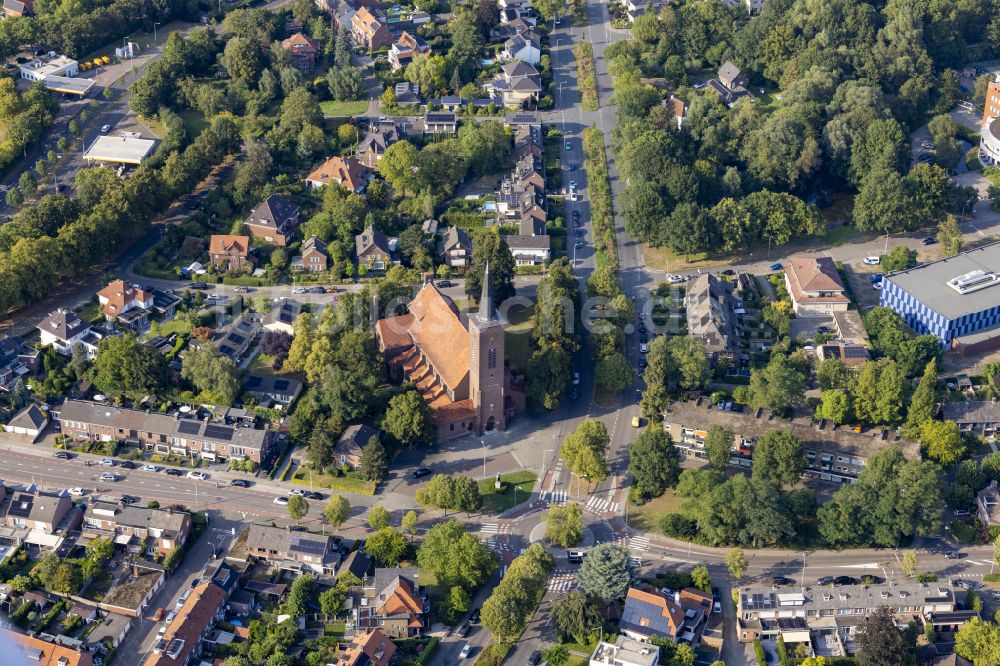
[(188, 427), (280, 384), (855, 352), (236, 338), (285, 317), (253, 381), (218, 432), (304, 546), (227, 350)]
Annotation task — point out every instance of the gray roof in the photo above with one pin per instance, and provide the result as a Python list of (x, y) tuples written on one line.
[(357, 563), (519, 68), (313, 243), (822, 597), (358, 435), (283, 388), (31, 417), (286, 312), (64, 324), (283, 540), (728, 71), (38, 506), (928, 283), (972, 411), (369, 238), (273, 212), (522, 242), (455, 236), (161, 424), (710, 316)]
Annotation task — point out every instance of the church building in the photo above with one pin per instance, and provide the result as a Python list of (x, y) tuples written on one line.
[(456, 363)]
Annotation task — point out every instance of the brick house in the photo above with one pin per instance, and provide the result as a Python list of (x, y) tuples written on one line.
[(313, 258), (368, 31), (303, 51), (282, 548), (372, 248), (182, 642), (273, 219), (143, 530), (393, 601), (126, 306), (455, 249), (231, 253), (348, 172)]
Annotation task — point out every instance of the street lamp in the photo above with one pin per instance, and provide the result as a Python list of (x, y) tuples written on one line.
[(886, 250), (484, 457), (154, 31)]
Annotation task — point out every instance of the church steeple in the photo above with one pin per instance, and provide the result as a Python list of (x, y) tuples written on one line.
[(487, 311)]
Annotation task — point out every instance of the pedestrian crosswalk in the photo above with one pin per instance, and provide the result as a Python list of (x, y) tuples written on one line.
[(639, 543), (489, 528), (597, 504), (562, 581), (558, 496)]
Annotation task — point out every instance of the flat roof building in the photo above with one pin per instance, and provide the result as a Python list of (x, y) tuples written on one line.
[(956, 299), (57, 73), (119, 150)]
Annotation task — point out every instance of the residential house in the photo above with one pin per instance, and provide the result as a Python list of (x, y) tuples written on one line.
[(43, 514), (285, 549), (126, 305), (237, 339), (529, 250), (370, 648), (729, 84), (355, 437), (165, 433), (407, 93), (272, 391), (380, 136), (832, 616), (230, 253), (440, 122), (625, 652), (525, 15), (525, 47), (977, 416), (14, 8), (393, 602), (372, 248), (712, 307), (165, 303), (182, 642), (815, 287), (282, 318), (988, 505), (30, 421), (368, 31), (357, 564), (679, 617), (273, 219), (23, 649), (348, 172), (636, 8), (63, 329), (17, 360), (313, 258), (303, 51), (837, 455), (451, 103), (143, 530), (405, 49), (455, 249), (751, 6), (676, 109), (518, 84)]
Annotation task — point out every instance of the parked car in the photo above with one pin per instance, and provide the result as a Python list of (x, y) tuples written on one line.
[(927, 144), (198, 476), (845, 580), (930, 240), (314, 495), (157, 615), (474, 617), (535, 658), (578, 245), (109, 476), (575, 556), (643, 347), (127, 464), (240, 483), (574, 393), (76, 492), (299, 290), (443, 284), (128, 499), (729, 272), (106, 462), (105, 129), (463, 631), (63, 455), (576, 378), (242, 290), (575, 214), (568, 145), (825, 580), (199, 285), (782, 581), (420, 472), (872, 260), (775, 266), (317, 290), (281, 500), (173, 471), (954, 555), (150, 468), (960, 512), (466, 651)]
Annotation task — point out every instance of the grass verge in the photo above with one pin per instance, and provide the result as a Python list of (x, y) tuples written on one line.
[(601, 211), (646, 518), (586, 76), (344, 484), (516, 488), (332, 109)]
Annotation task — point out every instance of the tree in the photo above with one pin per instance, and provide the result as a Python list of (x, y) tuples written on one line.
[(835, 405), (123, 365), (100, 550), (778, 386), (942, 441), (585, 450), (212, 373), (439, 492), (719, 446), (556, 654), (577, 616), (379, 518), (409, 523), (564, 525), (65, 580), (654, 463), (701, 578), (880, 643), (374, 462), (458, 601), (400, 167), (879, 393), (689, 361), (737, 562), (910, 563), (455, 556), (778, 457), (298, 507), (331, 600), (979, 641), (947, 150), (467, 495), (899, 259), (304, 332), (656, 397), (614, 373), (337, 510), (923, 401), (299, 593), (408, 420), (491, 248), (607, 572), (427, 70), (950, 236), (386, 546)]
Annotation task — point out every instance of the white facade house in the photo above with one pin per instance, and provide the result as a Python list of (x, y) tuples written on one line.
[(523, 47), (64, 330), (625, 652), (43, 67)]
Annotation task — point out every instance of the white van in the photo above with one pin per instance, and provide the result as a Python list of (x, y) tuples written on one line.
[(873, 261)]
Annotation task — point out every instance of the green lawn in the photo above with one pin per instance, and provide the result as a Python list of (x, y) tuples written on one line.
[(577, 660), (175, 325), (518, 337), (345, 484), (335, 629), (333, 109), (498, 502), (261, 365), (646, 518)]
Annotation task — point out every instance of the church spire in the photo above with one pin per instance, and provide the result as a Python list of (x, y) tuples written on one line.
[(486, 310)]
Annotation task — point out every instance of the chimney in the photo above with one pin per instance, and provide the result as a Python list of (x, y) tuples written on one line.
[(428, 277), (677, 597)]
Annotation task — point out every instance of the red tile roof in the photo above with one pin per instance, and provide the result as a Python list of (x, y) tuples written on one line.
[(347, 172), (810, 275), (240, 245)]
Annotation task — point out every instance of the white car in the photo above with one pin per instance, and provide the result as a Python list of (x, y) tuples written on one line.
[(105, 129), (927, 144), (872, 261), (576, 378), (107, 462), (466, 651), (643, 347), (675, 279), (299, 290), (150, 468), (109, 476), (296, 491), (200, 476), (75, 492), (281, 500)]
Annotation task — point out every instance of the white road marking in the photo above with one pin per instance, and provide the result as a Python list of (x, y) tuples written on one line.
[(489, 528), (562, 581), (639, 543)]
